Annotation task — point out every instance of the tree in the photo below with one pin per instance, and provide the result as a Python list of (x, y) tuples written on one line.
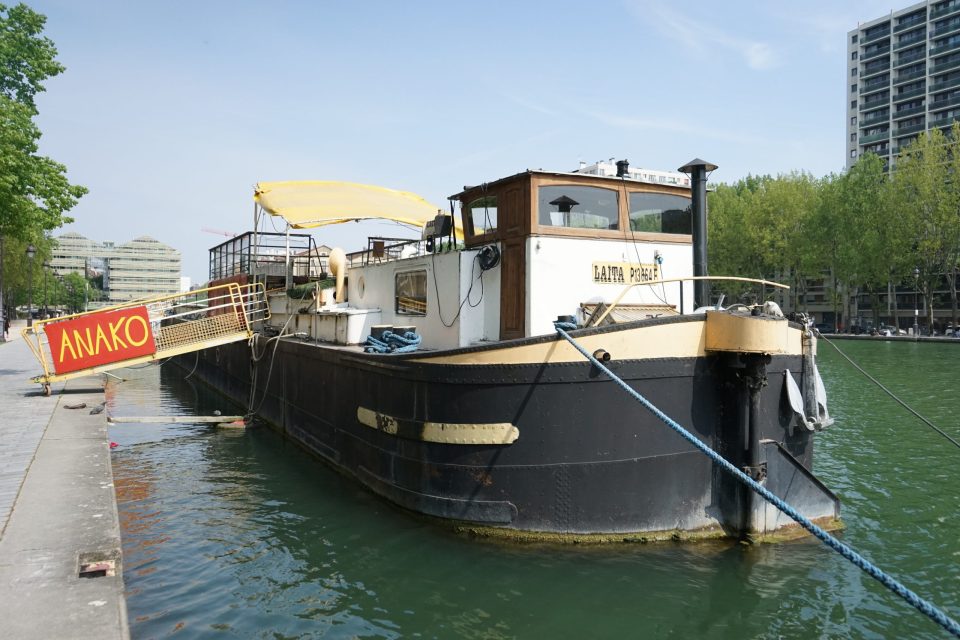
[(34, 191), (873, 246), (927, 198), (75, 292), (761, 227), (828, 232)]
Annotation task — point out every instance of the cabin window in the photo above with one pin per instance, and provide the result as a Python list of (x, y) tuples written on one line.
[(578, 207), (410, 292), (483, 215), (660, 213)]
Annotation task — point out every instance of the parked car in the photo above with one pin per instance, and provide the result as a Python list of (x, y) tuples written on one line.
[(890, 330), (824, 327)]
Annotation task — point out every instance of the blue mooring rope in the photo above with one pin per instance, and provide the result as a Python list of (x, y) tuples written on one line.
[(847, 552), (393, 343)]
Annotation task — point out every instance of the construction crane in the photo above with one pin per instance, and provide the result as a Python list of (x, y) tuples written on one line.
[(219, 232)]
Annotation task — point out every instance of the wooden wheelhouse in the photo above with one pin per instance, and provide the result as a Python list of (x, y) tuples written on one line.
[(562, 207)]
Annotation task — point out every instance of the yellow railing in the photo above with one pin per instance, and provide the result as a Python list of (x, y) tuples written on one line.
[(411, 305), (179, 323)]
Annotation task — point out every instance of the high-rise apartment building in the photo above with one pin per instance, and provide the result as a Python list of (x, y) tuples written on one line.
[(141, 268), (903, 77)]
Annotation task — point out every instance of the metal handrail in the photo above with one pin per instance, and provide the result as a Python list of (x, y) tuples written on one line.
[(181, 322), (689, 278)]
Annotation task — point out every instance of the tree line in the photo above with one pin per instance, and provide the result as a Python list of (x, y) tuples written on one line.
[(864, 231), (35, 193)]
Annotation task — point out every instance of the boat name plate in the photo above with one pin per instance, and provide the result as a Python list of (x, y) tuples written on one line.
[(625, 272)]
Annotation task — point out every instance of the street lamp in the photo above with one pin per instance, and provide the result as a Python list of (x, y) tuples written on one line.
[(46, 267), (916, 311), (31, 251)]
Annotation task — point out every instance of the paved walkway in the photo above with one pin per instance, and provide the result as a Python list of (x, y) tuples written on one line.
[(57, 507), (24, 415)]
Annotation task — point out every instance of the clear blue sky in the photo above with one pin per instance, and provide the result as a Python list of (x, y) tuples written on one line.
[(170, 112)]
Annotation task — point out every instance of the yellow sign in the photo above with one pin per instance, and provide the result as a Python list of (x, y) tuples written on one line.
[(624, 272)]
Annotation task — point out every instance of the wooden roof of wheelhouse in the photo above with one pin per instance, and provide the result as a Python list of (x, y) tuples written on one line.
[(546, 203)]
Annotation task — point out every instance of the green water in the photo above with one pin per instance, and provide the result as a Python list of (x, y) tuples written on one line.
[(242, 534)]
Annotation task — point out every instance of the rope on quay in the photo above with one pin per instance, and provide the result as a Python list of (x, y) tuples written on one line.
[(844, 550), (890, 393)]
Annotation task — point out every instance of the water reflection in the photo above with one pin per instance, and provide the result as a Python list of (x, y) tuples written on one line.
[(245, 534)]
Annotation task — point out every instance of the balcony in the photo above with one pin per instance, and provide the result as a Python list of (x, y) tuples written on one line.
[(906, 95), (950, 27), (874, 120), (876, 137), (907, 77), (911, 42), (912, 111), (879, 51), (880, 152), (877, 35), (870, 87), (945, 10), (914, 128), (943, 66), (945, 84), (882, 101), (940, 123), (874, 70), (943, 48), (944, 103), (912, 21), (903, 59)]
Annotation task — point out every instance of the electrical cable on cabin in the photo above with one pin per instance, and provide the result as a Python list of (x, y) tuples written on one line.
[(453, 224), (466, 299), (636, 249), (486, 211)]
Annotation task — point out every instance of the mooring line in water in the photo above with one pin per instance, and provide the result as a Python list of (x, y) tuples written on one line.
[(251, 412), (924, 606), (890, 393)]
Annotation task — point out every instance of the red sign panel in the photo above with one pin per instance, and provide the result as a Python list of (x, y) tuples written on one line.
[(100, 338)]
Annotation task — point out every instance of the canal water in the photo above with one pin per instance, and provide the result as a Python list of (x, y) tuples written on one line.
[(242, 534)]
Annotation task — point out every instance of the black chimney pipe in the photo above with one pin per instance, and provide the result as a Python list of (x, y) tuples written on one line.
[(623, 168), (697, 169)]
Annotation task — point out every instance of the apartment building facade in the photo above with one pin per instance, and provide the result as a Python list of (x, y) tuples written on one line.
[(141, 268), (903, 77)]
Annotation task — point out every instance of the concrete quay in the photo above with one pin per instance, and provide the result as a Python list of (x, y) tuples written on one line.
[(58, 509)]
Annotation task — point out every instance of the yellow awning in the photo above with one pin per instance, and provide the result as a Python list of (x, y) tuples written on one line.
[(314, 203)]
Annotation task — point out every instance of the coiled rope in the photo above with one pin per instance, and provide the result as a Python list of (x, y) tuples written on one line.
[(847, 552), (392, 342)]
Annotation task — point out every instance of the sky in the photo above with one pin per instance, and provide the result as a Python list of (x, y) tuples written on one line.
[(170, 112)]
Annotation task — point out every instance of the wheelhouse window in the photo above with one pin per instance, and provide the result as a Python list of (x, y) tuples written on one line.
[(410, 293), (578, 207), (483, 215), (660, 213)]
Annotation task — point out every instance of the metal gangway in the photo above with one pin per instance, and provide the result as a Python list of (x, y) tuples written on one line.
[(143, 331)]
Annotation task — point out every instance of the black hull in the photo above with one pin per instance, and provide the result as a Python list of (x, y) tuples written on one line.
[(589, 461)]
